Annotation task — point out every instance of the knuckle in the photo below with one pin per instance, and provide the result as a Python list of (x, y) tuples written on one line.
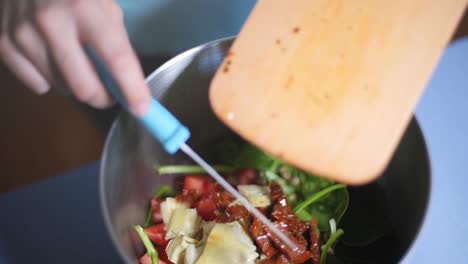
[(136, 102), (46, 21), (44, 18), (120, 58), (21, 33)]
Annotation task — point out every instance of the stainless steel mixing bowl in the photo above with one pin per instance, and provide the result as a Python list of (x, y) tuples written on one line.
[(128, 179)]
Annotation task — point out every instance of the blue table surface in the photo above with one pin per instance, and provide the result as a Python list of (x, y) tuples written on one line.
[(59, 220), (56, 221)]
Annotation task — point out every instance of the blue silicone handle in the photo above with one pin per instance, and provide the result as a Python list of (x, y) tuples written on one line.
[(158, 120)]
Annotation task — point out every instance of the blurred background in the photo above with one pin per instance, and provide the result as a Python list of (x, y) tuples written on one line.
[(45, 136)]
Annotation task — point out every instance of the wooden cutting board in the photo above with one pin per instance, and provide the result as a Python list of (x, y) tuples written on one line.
[(330, 85)]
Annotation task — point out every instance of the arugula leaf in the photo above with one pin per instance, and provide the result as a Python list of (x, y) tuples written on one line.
[(147, 242), (330, 244)]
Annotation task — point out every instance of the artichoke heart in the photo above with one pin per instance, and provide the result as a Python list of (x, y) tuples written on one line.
[(258, 196), (192, 253), (183, 222), (177, 250), (168, 207), (228, 243)]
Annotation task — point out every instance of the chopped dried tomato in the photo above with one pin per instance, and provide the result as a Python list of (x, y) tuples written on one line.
[(276, 193), (189, 196), (237, 212), (222, 199), (299, 254), (276, 259), (261, 238), (283, 212), (314, 241)]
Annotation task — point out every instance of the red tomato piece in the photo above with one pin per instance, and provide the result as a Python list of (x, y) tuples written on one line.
[(163, 258), (156, 233), (206, 209), (156, 209), (209, 189), (246, 176), (145, 259), (198, 182)]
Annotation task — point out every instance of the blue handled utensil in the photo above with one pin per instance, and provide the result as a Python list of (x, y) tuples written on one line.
[(173, 136), (158, 120)]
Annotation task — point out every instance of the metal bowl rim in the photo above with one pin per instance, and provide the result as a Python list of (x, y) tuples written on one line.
[(102, 170)]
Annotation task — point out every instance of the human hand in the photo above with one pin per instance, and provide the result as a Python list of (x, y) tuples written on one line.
[(41, 42)]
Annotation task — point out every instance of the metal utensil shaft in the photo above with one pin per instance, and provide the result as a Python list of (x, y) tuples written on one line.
[(212, 172)]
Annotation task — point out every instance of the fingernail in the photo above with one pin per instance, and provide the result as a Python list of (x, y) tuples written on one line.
[(40, 87)]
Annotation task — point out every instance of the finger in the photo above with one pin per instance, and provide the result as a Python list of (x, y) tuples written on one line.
[(22, 67), (109, 39), (32, 46), (61, 34)]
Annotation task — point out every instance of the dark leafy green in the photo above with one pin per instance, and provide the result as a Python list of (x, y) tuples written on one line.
[(297, 184), (334, 206), (317, 196), (235, 152), (309, 184), (331, 205)]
